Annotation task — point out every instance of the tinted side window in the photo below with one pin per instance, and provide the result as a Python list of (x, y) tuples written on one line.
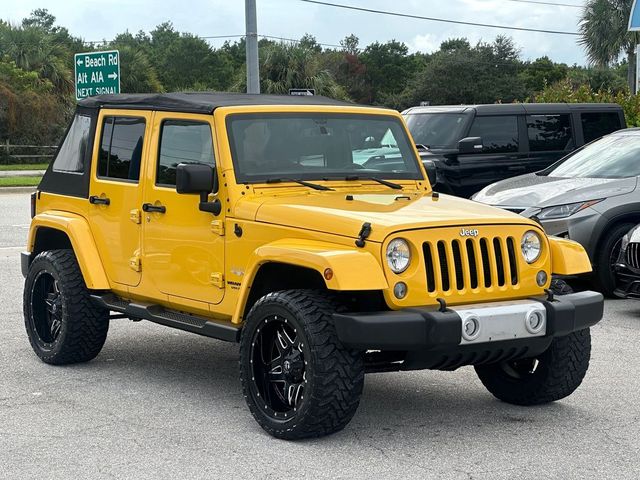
[(499, 134), (121, 148), (549, 132), (71, 156), (597, 124), (182, 142)]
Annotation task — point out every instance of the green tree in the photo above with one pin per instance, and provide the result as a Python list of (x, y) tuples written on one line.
[(541, 72), (604, 34), (388, 69)]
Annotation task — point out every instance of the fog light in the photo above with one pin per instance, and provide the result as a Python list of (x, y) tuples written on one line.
[(541, 278), (400, 290), (470, 328), (534, 322)]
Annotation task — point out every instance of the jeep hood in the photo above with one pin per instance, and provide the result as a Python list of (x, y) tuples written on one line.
[(541, 191), (331, 212)]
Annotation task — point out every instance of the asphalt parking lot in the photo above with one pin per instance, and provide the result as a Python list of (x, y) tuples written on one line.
[(158, 403)]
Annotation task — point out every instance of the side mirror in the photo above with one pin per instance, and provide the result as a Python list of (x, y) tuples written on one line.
[(470, 145), (197, 178), (430, 167)]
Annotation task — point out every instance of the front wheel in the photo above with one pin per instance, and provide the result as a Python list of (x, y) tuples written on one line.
[(299, 381), (552, 375)]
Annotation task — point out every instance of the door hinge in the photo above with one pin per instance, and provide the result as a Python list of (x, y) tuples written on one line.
[(135, 216), (217, 279), (217, 227), (135, 263)]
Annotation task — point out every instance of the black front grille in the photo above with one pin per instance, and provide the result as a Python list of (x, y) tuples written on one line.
[(473, 263), (633, 255)]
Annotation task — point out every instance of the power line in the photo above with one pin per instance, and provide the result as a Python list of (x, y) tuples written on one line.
[(547, 3), (443, 20)]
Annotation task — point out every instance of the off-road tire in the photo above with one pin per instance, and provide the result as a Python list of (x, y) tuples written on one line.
[(84, 325), (560, 371), (604, 278), (334, 373)]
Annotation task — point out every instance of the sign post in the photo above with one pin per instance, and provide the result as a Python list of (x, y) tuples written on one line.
[(634, 26), (97, 73)]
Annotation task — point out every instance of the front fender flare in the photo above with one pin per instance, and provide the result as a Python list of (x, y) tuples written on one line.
[(568, 257), (353, 270), (84, 247)]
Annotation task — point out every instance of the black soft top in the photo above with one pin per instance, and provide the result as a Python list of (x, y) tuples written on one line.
[(200, 102)]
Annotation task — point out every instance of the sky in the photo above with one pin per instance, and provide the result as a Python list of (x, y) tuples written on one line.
[(95, 20)]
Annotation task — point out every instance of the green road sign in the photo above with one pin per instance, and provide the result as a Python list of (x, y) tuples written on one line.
[(97, 73)]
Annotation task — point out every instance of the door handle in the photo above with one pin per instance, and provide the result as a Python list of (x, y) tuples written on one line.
[(95, 200), (151, 208)]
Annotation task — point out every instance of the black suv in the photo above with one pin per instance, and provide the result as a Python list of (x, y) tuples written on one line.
[(465, 148)]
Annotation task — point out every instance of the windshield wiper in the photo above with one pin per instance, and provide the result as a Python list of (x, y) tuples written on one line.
[(386, 183), (315, 186)]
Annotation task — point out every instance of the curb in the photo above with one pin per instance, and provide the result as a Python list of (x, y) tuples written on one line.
[(8, 190)]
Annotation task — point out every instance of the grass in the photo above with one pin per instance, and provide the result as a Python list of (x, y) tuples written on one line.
[(19, 181), (33, 166)]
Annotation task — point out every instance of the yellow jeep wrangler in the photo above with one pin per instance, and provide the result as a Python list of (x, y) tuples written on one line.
[(304, 229)]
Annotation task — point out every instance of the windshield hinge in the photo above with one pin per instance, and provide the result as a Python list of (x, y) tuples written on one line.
[(217, 279), (217, 227), (135, 216)]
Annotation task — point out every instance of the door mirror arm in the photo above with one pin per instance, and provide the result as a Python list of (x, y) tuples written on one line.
[(205, 205)]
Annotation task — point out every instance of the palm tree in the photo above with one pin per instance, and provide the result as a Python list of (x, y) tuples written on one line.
[(604, 33)]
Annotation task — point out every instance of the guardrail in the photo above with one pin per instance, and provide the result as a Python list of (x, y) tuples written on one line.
[(7, 157)]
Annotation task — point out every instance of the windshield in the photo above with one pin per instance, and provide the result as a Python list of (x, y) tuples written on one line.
[(617, 156), (436, 130), (316, 146)]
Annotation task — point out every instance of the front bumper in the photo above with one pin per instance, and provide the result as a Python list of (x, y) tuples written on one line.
[(420, 329)]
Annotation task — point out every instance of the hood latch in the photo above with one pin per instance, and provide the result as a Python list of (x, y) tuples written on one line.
[(365, 231)]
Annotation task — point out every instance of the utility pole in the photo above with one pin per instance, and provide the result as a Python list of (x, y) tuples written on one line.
[(251, 38)]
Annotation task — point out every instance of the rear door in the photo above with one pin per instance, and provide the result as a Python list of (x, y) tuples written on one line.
[(115, 193), (551, 137), (503, 154), (597, 124)]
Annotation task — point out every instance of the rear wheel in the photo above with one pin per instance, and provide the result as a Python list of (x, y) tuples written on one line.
[(297, 378), (62, 323)]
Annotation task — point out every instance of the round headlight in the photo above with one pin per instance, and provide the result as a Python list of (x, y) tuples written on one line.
[(398, 255), (531, 245)]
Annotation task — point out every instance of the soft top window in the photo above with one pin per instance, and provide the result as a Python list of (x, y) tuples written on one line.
[(71, 156)]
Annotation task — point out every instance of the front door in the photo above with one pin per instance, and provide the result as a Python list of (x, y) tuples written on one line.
[(116, 192), (183, 248)]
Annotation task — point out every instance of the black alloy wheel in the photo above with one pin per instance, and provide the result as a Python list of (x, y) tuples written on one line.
[(297, 378), (46, 313), (278, 367)]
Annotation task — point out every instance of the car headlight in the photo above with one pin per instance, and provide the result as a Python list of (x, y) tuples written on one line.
[(398, 255), (531, 246), (564, 211)]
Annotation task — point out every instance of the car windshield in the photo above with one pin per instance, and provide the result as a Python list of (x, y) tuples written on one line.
[(436, 130), (316, 146), (616, 156)]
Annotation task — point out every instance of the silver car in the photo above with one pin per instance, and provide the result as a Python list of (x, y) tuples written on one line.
[(589, 196)]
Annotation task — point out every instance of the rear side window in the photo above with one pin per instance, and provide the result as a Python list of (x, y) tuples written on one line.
[(70, 158), (499, 134), (598, 124), (549, 133), (121, 148), (182, 142)]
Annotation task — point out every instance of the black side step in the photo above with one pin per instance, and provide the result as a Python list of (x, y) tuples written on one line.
[(169, 318)]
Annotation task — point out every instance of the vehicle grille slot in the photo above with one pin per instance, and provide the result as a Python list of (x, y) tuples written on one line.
[(486, 265), (471, 258), (428, 261), (444, 266), (632, 255), (513, 262), (497, 247), (457, 263)]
